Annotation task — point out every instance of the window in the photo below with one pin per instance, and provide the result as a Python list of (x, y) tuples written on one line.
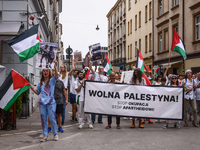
[(197, 23), (160, 42), (135, 22), (0, 16), (160, 7), (146, 13), (150, 10), (129, 4), (131, 51), (175, 3), (131, 26), (128, 52), (128, 29), (150, 42), (139, 19), (146, 43), (140, 45), (166, 40), (136, 49)]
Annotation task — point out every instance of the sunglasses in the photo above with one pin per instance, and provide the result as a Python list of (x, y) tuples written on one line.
[(174, 78)]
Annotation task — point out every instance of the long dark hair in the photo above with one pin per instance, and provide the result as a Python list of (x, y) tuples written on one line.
[(42, 78), (139, 77), (173, 83)]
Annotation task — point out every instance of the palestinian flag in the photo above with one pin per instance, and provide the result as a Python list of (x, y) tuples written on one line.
[(147, 68), (87, 74), (27, 44), (14, 85), (140, 64), (107, 66), (156, 72), (177, 45)]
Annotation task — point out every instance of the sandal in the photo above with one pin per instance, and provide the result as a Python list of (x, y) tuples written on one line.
[(186, 125), (196, 125), (108, 127)]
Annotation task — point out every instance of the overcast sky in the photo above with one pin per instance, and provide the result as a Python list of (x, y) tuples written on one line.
[(80, 18)]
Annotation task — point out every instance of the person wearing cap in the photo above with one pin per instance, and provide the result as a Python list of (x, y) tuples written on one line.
[(137, 80), (189, 97)]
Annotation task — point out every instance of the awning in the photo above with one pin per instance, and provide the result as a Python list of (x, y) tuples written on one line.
[(165, 65), (9, 28)]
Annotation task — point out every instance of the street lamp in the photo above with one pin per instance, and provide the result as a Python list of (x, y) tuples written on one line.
[(97, 28), (69, 51)]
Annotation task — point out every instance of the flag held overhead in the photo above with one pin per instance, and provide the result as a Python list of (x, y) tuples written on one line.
[(178, 46), (26, 44)]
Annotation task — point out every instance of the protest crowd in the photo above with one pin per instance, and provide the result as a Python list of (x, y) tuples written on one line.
[(56, 86)]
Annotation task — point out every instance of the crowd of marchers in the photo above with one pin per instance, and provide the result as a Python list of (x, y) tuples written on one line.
[(53, 88)]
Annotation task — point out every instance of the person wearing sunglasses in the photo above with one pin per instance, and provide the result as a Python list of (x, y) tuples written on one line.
[(174, 82)]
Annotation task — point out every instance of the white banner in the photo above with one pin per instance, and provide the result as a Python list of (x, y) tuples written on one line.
[(155, 102)]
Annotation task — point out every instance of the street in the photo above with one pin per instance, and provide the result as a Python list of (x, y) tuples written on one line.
[(153, 136)]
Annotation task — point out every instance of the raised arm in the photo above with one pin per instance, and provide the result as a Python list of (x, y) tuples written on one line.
[(165, 74), (55, 69)]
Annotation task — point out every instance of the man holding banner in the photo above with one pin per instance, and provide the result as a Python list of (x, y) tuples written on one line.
[(79, 87), (112, 80), (98, 77)]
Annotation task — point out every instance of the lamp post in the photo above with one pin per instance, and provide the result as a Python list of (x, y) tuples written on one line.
[(69, 51)]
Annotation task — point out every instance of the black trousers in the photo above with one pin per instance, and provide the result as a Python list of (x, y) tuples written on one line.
[(110, 119)]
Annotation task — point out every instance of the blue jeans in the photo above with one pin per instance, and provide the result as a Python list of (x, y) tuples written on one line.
[(49, 110), (63, 114), (94, 118)]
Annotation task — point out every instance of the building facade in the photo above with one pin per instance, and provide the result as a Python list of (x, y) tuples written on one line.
[(18, 16), (117, 34), (184, 17), (139, 32)]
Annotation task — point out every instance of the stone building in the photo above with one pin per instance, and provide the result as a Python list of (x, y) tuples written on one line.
[(117, 34)]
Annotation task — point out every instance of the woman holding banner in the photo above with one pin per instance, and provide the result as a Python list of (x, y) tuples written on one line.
[(138, 80), (174, 82), (47, 104)]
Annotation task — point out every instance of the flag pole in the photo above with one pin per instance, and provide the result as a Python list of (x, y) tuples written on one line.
[(169, 57)]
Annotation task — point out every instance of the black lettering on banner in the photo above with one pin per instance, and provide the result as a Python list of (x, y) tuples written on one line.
[(99, 93), (143, 97), (176, 98), (166, 98), (148, 97), (126, 95), (154, 97), (132, 96), (172, 99), (92, 93), (160, 97)]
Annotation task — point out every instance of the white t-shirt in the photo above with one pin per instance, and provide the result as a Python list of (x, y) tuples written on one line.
[(189, 85), (197, 92), (100, 77), (156, 83), (65, 80), (77, 83), (72, 79)]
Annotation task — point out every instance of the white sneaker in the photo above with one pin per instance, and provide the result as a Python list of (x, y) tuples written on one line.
[(90, 126), (80, 126), (44, 139), (55, 137)]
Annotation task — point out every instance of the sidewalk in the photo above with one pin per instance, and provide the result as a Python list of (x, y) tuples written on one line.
[(33, 123)]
